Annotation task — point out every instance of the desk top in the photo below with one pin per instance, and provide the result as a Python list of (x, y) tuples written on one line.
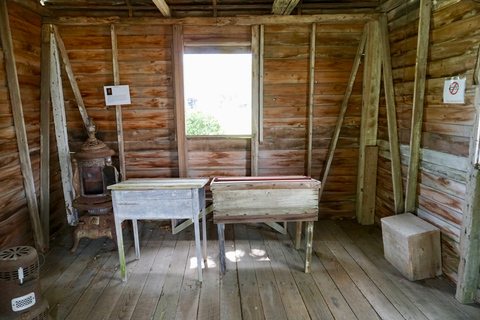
[(261, 182), (159, 184)]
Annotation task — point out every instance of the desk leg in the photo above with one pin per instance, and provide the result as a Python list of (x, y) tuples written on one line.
[(298, 235), (135, 239), (204, 234), (121, 252), (309, 249), (221, 244), (197, 245)]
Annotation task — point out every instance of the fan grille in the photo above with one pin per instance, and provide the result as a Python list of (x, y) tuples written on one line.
[(12, 259), (14, 253)]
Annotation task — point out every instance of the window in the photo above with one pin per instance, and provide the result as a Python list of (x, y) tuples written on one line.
[(218, 94)]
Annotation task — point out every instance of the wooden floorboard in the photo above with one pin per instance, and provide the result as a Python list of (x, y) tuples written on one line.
[(230, 302), (251, 300), (145, 308), (398, 299), (105, 304), (265, 279), (430, 301), (167, 304), (209, 304), (269, 291), (302, 298)]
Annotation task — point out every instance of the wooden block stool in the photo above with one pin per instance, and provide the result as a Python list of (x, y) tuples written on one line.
[(412, 246)]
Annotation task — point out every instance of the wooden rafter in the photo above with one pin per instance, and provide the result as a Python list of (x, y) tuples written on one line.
[(19, 124), (255, 99), (260, 83), (284, 7), (343, 109), (391, 118), (45, 134), (367, 160), (178, 50), (418, 101), (311, 92), (163, 7), (118, 108), (60, 121), (220, 21), (130, 9), (71, 77)]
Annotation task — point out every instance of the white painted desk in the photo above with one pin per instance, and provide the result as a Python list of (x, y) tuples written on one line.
[(177, 198)]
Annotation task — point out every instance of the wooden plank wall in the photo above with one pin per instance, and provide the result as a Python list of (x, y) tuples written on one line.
[(15, 228), (454, 40), (285, 114), (149, 122), (145, 65)]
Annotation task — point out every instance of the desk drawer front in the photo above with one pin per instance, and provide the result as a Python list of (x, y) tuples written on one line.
[(154, 209), (152, 195)]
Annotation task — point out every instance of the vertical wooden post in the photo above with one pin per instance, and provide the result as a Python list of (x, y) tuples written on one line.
[(177, 55), (255, 99), (45, 134), (343, 109), (60, 121), (365, 205), (118, 108), (391, 118), (418, 101), (71, 76), (260, 83), (19, 122), (311, 91), (370, 183), (469, 266)]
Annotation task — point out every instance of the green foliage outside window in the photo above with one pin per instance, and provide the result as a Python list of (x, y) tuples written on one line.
[(199, 124)]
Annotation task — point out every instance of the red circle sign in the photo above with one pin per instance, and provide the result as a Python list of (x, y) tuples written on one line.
[(454, 86)]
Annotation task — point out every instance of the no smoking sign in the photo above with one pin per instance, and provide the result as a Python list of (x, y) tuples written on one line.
[(454, 90)]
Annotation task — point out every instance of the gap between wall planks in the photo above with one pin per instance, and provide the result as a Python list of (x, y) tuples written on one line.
[(178, 50), (60, 121), (19, 124), (311, 91), (365, 201), (343, 109), (391, 117), (255, 99), (45, 134), (118, 108), (71, 76), (418, 102), (468, 269)]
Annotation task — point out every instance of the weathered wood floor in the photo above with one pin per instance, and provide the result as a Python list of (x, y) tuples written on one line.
[(350, 279)]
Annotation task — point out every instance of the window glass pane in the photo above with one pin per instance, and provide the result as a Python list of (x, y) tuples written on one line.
[(218, 94)]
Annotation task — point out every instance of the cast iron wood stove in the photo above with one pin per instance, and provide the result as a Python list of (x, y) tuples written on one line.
[(93, 173)]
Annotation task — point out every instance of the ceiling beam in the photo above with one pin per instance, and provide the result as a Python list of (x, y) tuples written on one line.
[(163, 7), (219, 21), (284, 7)]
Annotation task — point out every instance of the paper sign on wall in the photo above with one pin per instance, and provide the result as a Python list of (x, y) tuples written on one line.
[(117, 95), (454, 91)]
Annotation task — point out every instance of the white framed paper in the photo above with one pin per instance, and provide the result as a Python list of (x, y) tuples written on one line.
[(454, 91), (117, 95)]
